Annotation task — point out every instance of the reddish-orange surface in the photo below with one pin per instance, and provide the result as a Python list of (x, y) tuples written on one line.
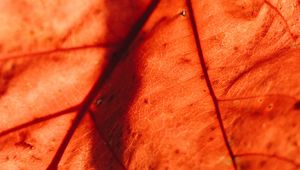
[(148, 84)]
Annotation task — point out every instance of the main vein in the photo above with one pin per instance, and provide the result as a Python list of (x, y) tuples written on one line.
[(112, 62)]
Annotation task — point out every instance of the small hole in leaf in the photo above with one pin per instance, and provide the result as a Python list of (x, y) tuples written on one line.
[(99, 101), (270, 106), (183, 13)]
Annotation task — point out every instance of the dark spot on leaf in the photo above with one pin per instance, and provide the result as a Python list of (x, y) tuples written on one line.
[(272, 117), (165, 45), (50, 39), (184, 60), (153, 167), (178, 124), (215, 82), (24, 144), (295, 143), (36, 158), (23, 141), (31, 32), (256, 113), (210, 139), (262, 163), (297, 105), (97, 11), (245, 165), (269, 145), (146, 101), (295, 36), (111, 98), (177, 151)]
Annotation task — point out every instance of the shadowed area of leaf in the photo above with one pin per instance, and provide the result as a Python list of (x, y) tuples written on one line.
[(112, 62)]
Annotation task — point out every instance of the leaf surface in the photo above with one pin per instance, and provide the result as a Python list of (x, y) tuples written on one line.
[(150, 85)]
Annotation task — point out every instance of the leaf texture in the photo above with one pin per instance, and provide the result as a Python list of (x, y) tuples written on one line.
[(150, 84)]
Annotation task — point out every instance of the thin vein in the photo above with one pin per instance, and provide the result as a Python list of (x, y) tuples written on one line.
[(39, 120), (208, 82), (106, 142), (259, 96), (47, 52), (294, 37)]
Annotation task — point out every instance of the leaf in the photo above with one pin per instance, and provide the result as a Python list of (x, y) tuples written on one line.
[(150, 85)]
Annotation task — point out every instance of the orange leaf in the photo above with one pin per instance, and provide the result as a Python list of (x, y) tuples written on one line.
[(150, 84)]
